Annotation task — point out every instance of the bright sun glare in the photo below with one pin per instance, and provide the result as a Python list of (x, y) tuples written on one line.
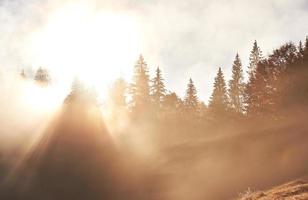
[(96, 46)]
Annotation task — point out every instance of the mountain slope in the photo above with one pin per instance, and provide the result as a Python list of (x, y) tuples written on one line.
[(295, 190)]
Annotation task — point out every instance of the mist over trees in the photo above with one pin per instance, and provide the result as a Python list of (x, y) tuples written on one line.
[(140, 88), (248, 127), (276, 83)]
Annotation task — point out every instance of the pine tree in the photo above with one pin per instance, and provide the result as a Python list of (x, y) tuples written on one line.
[(219, 100), (300, 50), (258, 100), (42, 76), (236, 86), (191, 101), (254, 58), (305, 52), (158, 90), (140, 89)]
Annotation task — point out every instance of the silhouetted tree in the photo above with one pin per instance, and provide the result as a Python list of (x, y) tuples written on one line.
[(254, 58), (42, 76), (258, 89), (218, 104), (236, 86), (276, 78), (191, 101), (300, 49), (305, 52), (158, 90), (140, 89), (289, 76)]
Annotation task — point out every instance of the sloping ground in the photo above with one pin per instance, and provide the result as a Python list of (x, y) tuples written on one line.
[(76, 159), (255, 157), (295, 190)]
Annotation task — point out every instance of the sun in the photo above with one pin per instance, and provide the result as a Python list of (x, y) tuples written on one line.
[(96, 46)]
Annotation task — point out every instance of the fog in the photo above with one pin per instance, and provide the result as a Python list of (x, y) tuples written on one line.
[(192, 40), (73, 153), (61, 139)]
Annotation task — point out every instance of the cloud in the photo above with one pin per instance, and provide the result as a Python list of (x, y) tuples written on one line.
[(185, 38)]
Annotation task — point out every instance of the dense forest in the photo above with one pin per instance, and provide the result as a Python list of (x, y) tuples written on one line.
[(276, 84), (250, 134)]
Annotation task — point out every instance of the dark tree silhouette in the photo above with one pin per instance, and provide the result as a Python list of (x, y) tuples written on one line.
[(300, 49), (286, 75), (218, 104), (305, 52), (256, 100), (255, 57), (158, 90), (236, 86), (191, 101)]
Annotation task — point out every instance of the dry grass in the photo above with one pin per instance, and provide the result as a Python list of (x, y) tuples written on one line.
[(295, 190)]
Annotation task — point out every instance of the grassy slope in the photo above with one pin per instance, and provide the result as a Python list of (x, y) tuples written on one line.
[(295, 190)]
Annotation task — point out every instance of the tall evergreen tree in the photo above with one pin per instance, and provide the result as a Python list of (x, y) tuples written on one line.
[(290, 84), (305, 52), (140, 89), (257, 101), (236, 86), (219, 100), (254, 58), (191, 101), (300, 49), (158, 90)]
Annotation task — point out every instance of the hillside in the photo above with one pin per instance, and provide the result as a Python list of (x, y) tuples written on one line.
[(295, 190)]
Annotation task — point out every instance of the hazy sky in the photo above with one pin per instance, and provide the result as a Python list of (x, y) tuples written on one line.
[(185, 38)]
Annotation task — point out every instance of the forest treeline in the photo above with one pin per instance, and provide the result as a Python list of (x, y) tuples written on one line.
[(277, 84), (250, 134)]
